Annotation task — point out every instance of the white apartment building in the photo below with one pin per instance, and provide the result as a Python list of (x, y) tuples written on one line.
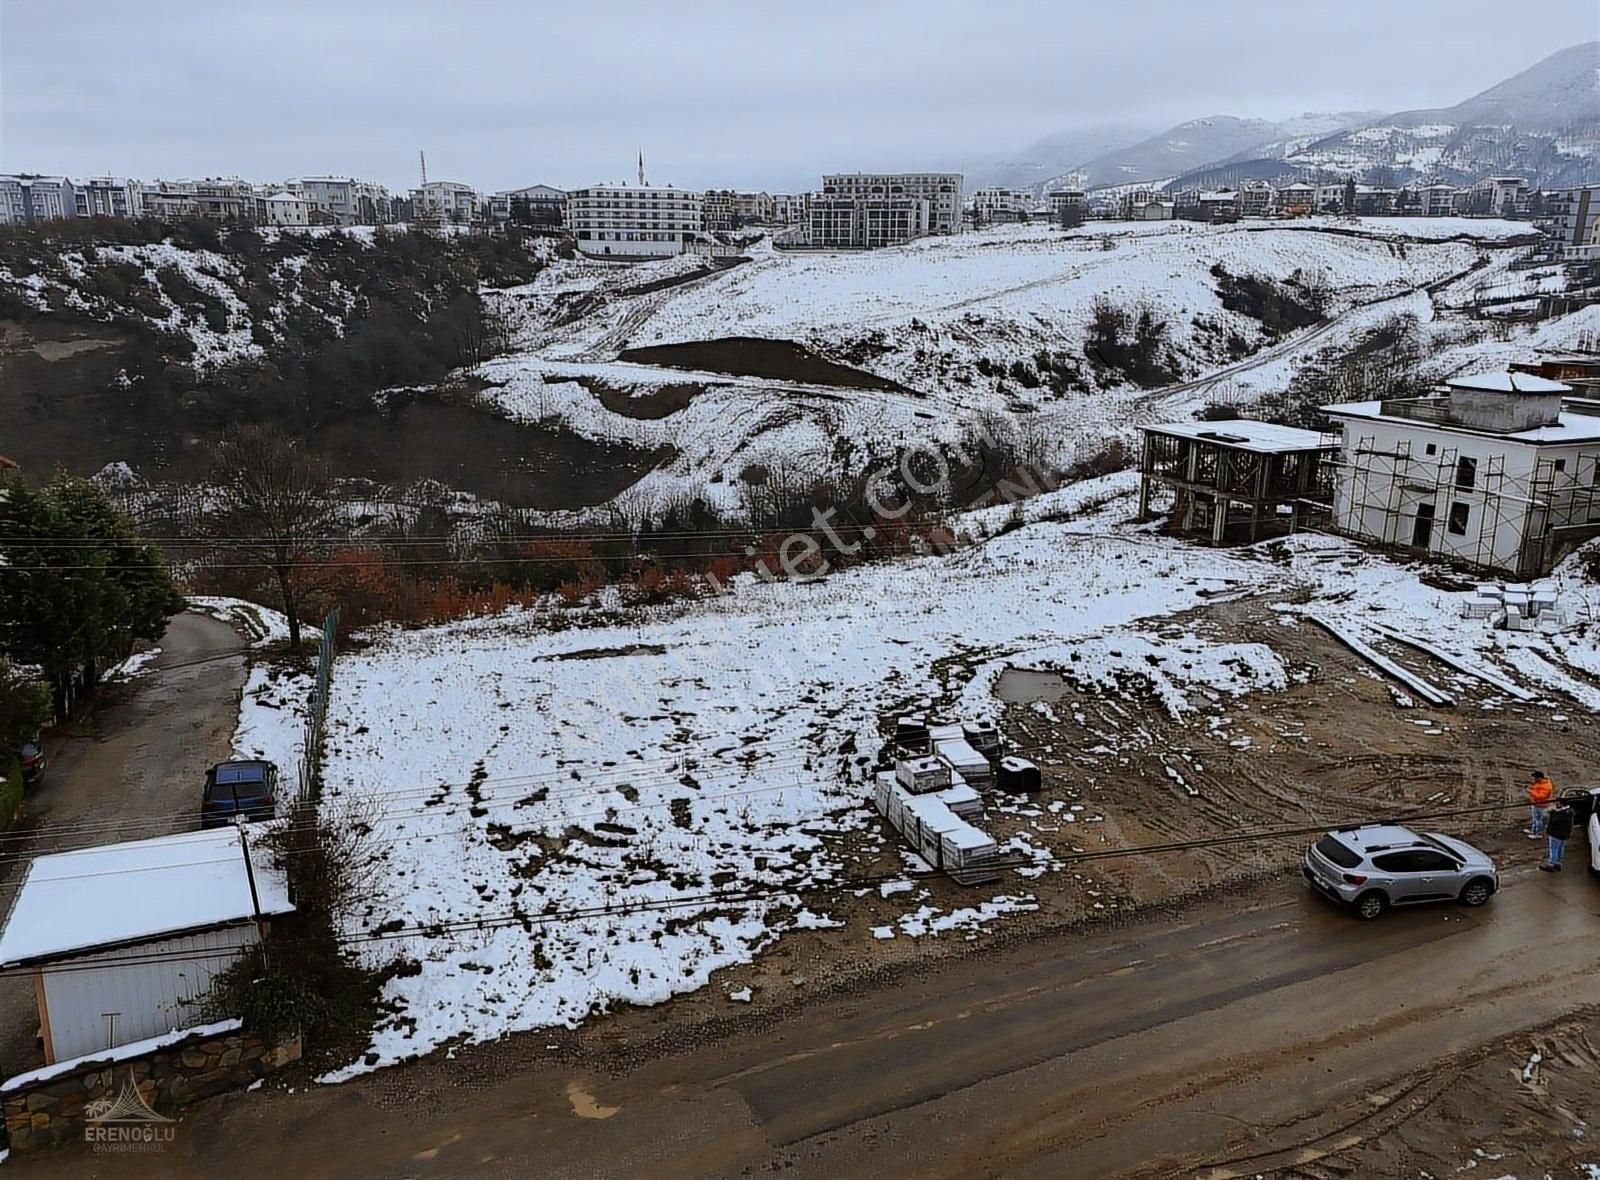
[(284, 210), (1257, 198), (865, 223), (28, 199), (1493, 470), (446, 202), (1000, 204), (753, 208), (109, 196), (717, 209), (1571, 215), (545, 206), (942, 191), (1296, 199), (169, 200), (344, 200), (790, 208), (634, 221), (1438, 200)]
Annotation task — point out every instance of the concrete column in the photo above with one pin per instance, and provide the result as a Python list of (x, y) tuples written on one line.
[(1219, 520)]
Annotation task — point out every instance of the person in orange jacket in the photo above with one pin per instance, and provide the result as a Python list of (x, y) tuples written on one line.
[(1541, 793)]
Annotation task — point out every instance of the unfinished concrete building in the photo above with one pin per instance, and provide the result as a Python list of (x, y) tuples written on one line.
[(1235, 480)]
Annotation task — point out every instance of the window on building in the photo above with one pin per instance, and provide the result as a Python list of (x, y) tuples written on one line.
[(1561, 464), (1430, 449), (1459, 515), (1466, 473)]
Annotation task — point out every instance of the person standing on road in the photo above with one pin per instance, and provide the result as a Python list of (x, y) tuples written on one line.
[(1540, 792), (1558, 827)]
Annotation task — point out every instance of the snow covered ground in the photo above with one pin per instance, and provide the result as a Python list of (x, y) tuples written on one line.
[(577, 818), (954, 320)]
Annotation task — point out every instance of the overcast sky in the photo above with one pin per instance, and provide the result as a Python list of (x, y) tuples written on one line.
[(504, 93)]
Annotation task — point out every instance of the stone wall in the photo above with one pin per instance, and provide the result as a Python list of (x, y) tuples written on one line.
[(54, 1109)]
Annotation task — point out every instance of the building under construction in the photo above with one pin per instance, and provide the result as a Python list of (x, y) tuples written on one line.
[(1236, 480), (1499, 471)]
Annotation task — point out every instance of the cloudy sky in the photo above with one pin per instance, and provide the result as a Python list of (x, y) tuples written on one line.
[(504, 93)]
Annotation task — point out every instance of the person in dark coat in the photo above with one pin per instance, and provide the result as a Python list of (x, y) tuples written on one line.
[(1558, 828)]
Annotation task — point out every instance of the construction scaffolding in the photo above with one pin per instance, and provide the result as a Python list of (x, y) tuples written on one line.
[(1467, 508), (1234, 480)]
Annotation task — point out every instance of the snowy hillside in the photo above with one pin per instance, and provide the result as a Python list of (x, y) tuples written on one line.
[(939, 330)]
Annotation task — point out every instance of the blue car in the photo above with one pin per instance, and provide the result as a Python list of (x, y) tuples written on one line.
[(239, 790)]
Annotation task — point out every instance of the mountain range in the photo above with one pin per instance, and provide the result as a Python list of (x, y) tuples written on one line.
[(1543, 123)]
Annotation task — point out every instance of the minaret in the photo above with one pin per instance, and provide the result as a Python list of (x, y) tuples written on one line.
[(641, 167)]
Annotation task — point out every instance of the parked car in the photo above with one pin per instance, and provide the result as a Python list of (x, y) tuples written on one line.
[(1585, 804), (32, 758), (247, 789), (1375, 866)]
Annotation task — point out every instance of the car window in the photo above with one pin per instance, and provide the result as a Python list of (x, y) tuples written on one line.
[(1395, 862), (228, 792), (1340, 854), (1425, 861)]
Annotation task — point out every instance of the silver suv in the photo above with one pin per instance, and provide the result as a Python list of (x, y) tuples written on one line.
[(1379, 865)]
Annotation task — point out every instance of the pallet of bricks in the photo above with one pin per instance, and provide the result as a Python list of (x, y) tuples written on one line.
[(929, 799)]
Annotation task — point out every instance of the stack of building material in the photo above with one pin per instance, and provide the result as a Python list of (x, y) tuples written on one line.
[(962, 800), (921, 775), (911, 733), (983, 736), (940, 835), (950, 746), (1516, 606)]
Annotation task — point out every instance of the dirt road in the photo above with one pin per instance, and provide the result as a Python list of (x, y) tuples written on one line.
[(1209, 1043), (133, 770)]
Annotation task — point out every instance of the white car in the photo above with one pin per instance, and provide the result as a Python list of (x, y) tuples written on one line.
[(1587, 805)]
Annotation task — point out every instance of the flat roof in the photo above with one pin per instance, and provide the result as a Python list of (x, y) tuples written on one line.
[(1571, 428), (1509, 382), (1246, 434), (110, 895)]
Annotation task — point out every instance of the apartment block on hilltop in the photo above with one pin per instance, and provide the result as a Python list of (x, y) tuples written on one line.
[(536, 205), (718, 207), (941, 190), (109, 196), (446, 202), (25, 200), (634, 221), (343, 200)]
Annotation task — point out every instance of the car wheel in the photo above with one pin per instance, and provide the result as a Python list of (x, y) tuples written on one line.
[(1476, 892), (1371, 905)]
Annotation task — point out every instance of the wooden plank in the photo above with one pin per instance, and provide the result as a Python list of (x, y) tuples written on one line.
[(1477, 671), (1424, 689)]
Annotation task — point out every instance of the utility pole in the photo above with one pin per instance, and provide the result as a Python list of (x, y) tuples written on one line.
[(250, 873)]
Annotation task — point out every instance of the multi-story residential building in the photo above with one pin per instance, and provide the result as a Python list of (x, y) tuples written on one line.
[(639, 221), (1296, 199), (1063, 199), (754, 208), (1257, 198), (1571, 215), (537, 205), (1496, 196), (229, 199), (1493, 470), (283, 209), (865, 223), (790, 208), (109, 196), (25, 200), (1329, 198), (344, 200), (446, 202), (717, 209), (1132, 204), (990, 205), (942, 191), (169, 200), (1213, 205)]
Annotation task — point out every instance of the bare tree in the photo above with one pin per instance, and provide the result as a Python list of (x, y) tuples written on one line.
[(276, 506)]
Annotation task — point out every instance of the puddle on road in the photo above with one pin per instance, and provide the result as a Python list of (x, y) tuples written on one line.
[(584, 1104), (1023, 686)]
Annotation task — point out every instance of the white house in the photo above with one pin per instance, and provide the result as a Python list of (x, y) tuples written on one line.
[(941, 190), (344, 200), (124, 940), (634, 221), (283, 209), (446, 201), (1000, 204), (1495, 471), (28, 199), (109, 196)]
